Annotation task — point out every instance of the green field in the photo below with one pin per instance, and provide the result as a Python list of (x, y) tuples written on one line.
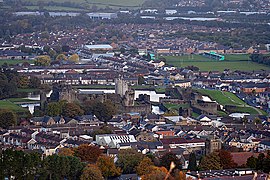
[(173, 108), (232, 62), (223, 98), (20, 100), (16, 61), (227, 98), (87, 4), (11, 106), (54, 8)]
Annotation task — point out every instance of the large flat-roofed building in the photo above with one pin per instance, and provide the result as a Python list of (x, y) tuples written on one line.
[(102, 15), (98, 47)]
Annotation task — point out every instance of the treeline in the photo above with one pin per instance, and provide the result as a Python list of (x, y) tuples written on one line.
[(260, 58), (87, 162), (10, 81)]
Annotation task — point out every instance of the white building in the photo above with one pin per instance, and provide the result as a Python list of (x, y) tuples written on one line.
[(114, 140), (102, 15)]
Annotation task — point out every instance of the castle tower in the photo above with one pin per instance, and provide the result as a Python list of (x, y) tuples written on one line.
[(121, 87)]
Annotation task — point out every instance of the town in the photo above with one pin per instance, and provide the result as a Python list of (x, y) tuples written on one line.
[(159, 97)]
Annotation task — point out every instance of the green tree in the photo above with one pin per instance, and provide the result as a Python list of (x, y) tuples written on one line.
[(169, 157), (72, 110), (24, 82), (52, 53), (251, 162), (104, 111), (7, 118), (192, 162), (211, 161), (107, 167), (91, 172), (43, 61), (128, 160), (61, 167), (260, 159), (54, 109), (34, 82), (74, 58), (141, 80), (19, 164)]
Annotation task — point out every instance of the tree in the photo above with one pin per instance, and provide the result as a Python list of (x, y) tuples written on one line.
[(72, 110), (251, 162), (43, 61), (66, 152), (91, 172), (169, 157), (34, 82), (24, 82), (61, 167), (141, 80), (19, 164), (257, 120), (52, 53), (192, 162), (260, 159), (226, 159), (54, 109), (88, 153), (157, 173), (107, 167), (61, 57), (211, 161), (144, 166), (128, 160), (74, 58), (104, 111), (7, 118)]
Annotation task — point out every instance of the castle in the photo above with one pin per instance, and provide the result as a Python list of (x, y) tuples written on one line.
[(123, 97)]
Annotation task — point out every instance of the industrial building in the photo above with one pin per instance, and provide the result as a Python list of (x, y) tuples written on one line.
[(102, 15)]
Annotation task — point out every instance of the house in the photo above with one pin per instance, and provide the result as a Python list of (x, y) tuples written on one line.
[(204, 120), (255, 87), (264, 146), (182, 83), (13, 54), (183, 143), (163, 133)]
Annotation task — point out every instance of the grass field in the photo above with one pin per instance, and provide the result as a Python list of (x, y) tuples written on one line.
[(232, 62), (26, 90), (15, 61), (223, 98), (11, 106), (19, 100), (88, 3), (54, 8), (228, 98)]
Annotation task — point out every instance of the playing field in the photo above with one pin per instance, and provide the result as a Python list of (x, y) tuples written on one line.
[(228, 98), (12, 62), (86, 4), (11, 106), (232, 62)]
